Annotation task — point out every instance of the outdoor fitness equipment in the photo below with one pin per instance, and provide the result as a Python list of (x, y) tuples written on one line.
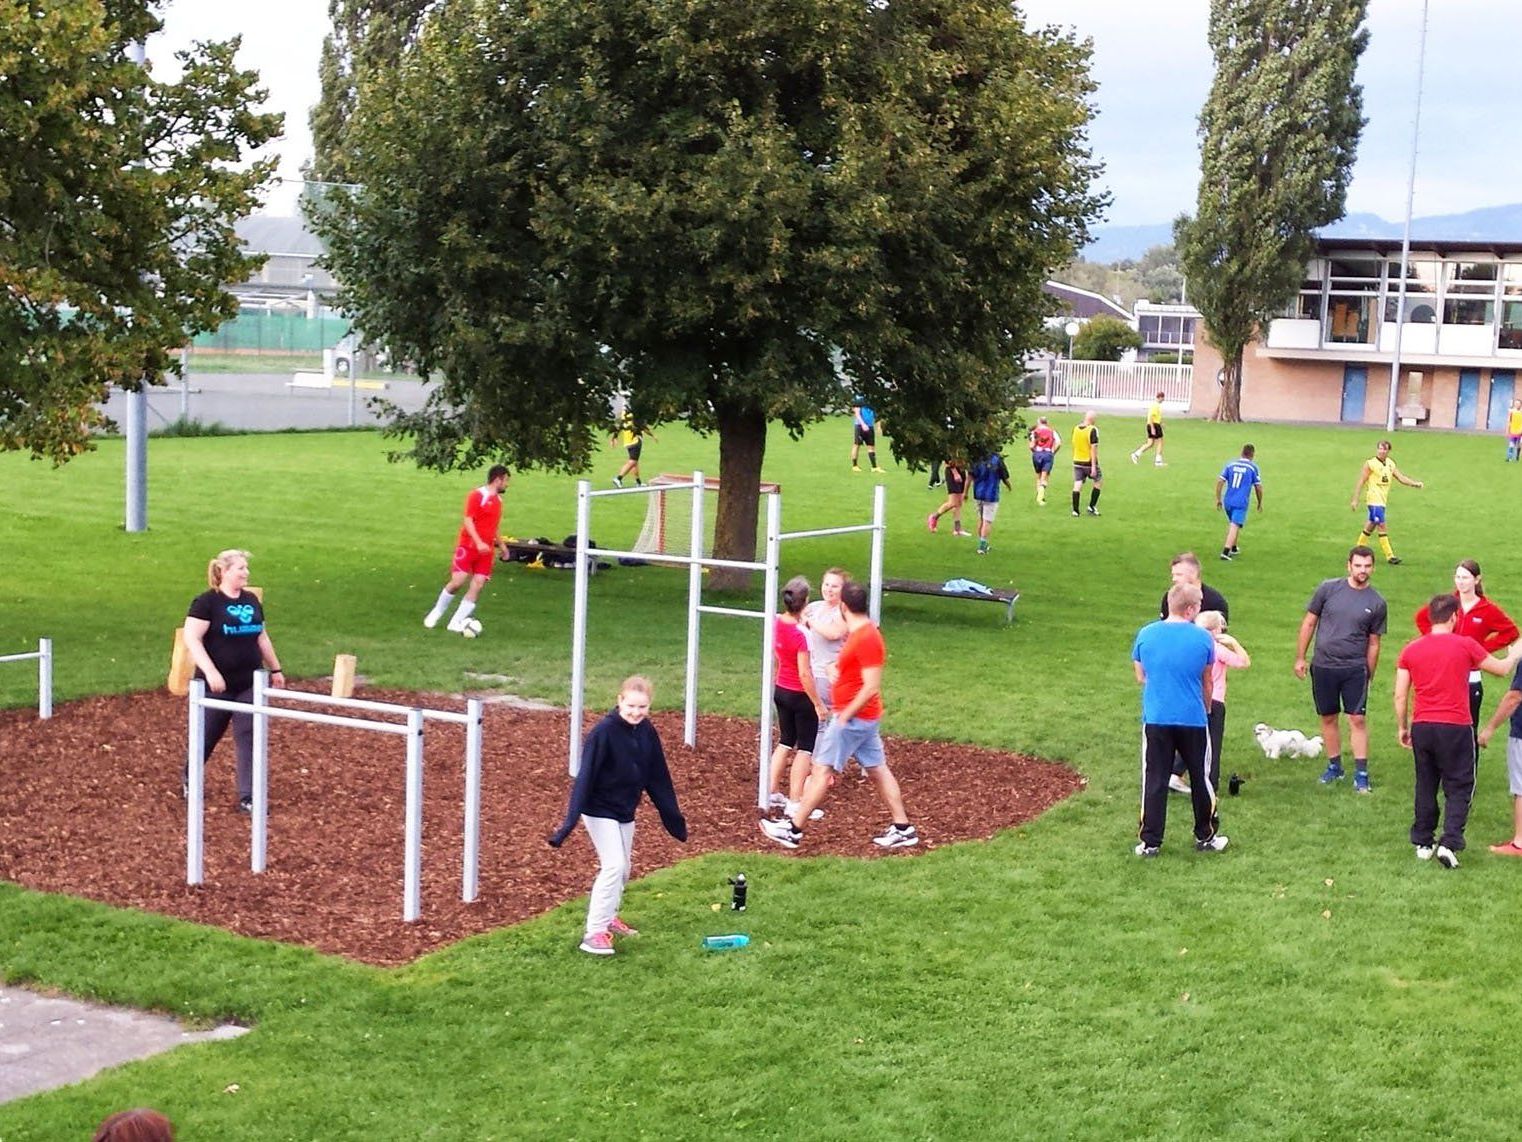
[(44, 656)]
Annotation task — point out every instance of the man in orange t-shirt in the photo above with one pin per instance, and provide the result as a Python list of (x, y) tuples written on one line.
[(852, 732), (475, 548)]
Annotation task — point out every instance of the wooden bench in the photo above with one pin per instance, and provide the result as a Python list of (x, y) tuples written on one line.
[(920, 587)]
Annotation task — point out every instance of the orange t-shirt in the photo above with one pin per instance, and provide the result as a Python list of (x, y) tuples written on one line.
[(864, 648)]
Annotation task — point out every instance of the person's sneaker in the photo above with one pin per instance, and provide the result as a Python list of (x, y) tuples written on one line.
[(619, 928), (1423, 852), (1395, 561), (897, 838), (781, 831), (932, 521), (933, 485), (1507, 849), (245, 804), (960, 534), (1215, 844), (1135, 459), (1333, 773), (598, 944), (1159, 464), (1226, 556), (1093, 510), (878, 470), (618, 481), (1143, 849), (1177, 784), (982, 549), (1235, 550), (430, 620), (1361, 781), (1446, 857), (455, 625), (1075, 512), (856, 467), (816, 814)]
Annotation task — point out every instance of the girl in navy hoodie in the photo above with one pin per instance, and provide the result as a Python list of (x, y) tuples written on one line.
[(621, 760)]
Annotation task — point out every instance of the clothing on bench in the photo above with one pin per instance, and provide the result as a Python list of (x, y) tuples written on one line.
[(955, 589)]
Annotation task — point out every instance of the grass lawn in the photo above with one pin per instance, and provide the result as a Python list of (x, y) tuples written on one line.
[(1312, 981)]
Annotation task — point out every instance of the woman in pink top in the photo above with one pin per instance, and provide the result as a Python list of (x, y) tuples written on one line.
[(799, 709), (1229, 654)]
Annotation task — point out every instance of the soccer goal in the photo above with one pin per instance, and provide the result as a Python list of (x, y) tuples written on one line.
[(667, 529)]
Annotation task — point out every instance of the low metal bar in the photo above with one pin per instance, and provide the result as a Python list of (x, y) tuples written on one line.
[(677, 560), (828, 531), (710, 609), (305, 716), (368, 704)]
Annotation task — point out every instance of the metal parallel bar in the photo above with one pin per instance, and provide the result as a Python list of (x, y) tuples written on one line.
[(305, 716), (27, 657), (694, 610), (637, 490), (412, 873), (677, 560), (768, 643), (709, 609), (258, 841), (828, 530), (470, 885), (195, 835), (367, 704), (579, 623)]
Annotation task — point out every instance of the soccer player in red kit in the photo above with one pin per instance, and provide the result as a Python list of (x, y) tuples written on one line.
[(474, 550)]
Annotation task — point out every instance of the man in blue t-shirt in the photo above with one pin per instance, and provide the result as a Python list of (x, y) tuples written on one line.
[(987, 475), (863, 431), (1172, 659), (1238, 480)]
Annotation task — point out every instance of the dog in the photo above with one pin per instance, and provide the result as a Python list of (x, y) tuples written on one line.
[(1286, 743)]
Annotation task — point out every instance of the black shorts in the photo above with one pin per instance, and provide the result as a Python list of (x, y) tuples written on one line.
[(1154, 431), (797, 720), (867, 436), (1081, 473), (633, 449), (1339, 689), (955, 485)]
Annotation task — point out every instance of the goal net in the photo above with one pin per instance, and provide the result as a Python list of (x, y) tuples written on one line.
[(668, 516)]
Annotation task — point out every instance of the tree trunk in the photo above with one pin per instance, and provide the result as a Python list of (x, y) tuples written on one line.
[(742, 447), (1229, 408)]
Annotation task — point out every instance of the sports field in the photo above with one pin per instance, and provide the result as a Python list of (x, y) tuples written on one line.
[(1312, 981)]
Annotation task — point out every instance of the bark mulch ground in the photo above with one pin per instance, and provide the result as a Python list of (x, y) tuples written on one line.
[(90, 805)]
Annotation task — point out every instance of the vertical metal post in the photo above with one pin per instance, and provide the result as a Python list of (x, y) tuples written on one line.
[(257, 850), (1405, 242), (137, 461), (579, 622), (44, 678), (412, 874), (694, 600), (470, 888), (185, 383), (768, 643), (195, 865), (353, 388), (879, 515)]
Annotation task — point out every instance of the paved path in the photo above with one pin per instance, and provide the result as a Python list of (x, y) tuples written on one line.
[(48, 1042), (264, 402)]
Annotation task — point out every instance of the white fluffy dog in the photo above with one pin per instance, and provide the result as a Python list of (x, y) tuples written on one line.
[(1285, 743)]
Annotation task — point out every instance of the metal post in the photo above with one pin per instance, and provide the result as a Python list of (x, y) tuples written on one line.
[(257, 849), (694, 600), (412, 875), (195, 845), (353, 387), (579, 621), (879, 515), (137, 461), (470, 888), (768, 644), (44, 678), (185, 383), (1405, 242)]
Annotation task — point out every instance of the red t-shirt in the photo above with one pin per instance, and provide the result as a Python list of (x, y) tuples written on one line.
[(484, 509), (788, 642), (1439, 665), (864, 648)]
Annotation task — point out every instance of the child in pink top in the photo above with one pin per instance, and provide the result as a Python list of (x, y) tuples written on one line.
[(1229, 654), (799, 708)]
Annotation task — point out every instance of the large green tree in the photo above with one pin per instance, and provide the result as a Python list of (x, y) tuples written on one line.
[(1279, 134), (726, 211), (117, 204), (367, 36)]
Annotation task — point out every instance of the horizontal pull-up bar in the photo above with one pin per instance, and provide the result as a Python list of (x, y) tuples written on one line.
[(677, 560), (303, 716), (828, 531), (708, 609), (366, 704)]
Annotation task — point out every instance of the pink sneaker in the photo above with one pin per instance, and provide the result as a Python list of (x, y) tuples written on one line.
[(932, 521), (619, 928), (598, 944)]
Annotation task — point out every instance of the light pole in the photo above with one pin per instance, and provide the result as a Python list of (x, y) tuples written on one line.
[(1405, 243), (1071, 329)]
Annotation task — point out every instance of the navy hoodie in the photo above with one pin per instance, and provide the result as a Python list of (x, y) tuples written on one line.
[(619, 762)]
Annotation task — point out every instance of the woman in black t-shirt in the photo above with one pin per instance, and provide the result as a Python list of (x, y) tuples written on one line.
[(225, 635)]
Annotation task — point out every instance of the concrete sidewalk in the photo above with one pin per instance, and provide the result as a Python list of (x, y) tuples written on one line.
[(48, 1042)]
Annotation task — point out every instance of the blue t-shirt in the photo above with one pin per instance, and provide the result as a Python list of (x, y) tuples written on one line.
[(1174, 656), (868, 417), (986, 478), (1241, 476), (1516, 715)]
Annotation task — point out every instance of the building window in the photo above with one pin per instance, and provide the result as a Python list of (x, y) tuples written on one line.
[(1468, 311), (1509, 336), (1350, 319), (1470, 293)]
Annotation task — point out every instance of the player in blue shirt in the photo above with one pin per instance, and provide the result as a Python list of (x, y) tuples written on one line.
[(1238, 480)]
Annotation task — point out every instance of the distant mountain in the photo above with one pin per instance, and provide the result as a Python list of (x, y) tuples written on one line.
[(1492, 223)]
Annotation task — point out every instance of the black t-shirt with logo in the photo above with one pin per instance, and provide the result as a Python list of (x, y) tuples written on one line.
[(232, 639)]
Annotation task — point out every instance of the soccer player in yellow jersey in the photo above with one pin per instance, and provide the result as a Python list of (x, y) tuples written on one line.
[(633, 441), (1154, 434), (1086, 463), (1514, 431), (1375, 478)]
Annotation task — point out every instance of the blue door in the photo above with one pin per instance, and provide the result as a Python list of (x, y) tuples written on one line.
[(1354, 379), (1469, 398), (1503, 384)]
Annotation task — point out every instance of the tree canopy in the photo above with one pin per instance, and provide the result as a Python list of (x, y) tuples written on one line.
[(732, 214), (1104, 338), (117, 205), (1279, 132)]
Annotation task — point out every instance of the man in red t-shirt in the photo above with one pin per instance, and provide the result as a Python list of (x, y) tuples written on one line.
[(1440, 733), (852, 732), (474, 549)]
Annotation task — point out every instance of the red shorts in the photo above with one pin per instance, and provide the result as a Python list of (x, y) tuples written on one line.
[(473, 562)]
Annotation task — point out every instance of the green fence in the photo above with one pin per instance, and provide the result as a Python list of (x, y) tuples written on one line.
[(255, 331)]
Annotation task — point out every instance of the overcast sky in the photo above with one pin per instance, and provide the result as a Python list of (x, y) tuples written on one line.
[(1153, 68)]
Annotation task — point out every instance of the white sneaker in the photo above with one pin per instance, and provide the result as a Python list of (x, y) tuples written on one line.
[(1447, 857), (1423, 852), (430, 620), (456, 625), (781, 831), (1177, 784), (1135, 459), (1215, 844), (896, 838), (817, 815)]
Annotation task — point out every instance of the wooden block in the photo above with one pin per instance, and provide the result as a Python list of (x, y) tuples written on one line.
[(182, 667), (343, 675)]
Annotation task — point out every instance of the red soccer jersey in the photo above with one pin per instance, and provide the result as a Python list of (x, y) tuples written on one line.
[(1439, 665), (483, 507), (864, 648), (1044, 438), (1484, 622), (788, 642)]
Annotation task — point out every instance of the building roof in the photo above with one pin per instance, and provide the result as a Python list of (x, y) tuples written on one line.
[(1439, 246), (275, 234), (1086, 303)]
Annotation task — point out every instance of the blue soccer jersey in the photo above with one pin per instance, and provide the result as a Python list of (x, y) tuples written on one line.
[(1241, 476)]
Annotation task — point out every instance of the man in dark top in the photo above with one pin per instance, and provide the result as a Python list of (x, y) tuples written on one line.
[(1185, 569), (1347, 618)]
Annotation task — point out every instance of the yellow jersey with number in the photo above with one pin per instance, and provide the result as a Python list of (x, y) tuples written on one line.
[(1378, 475)]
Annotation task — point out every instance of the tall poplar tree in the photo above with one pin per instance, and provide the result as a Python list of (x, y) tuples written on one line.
[(1279, 135), (706, 206)]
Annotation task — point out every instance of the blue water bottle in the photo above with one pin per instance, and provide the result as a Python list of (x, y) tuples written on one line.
[(724, 943)]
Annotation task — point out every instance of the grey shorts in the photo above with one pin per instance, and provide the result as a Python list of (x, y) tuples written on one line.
[(987, 510), (838, 744), (1514, 765)]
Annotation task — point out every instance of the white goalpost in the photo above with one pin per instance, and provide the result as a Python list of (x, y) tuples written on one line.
[(662, 548)]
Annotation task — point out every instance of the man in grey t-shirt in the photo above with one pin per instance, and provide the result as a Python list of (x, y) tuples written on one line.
[(1347, 617)]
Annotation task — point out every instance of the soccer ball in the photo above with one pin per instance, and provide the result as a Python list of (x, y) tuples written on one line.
[(471, 628)]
